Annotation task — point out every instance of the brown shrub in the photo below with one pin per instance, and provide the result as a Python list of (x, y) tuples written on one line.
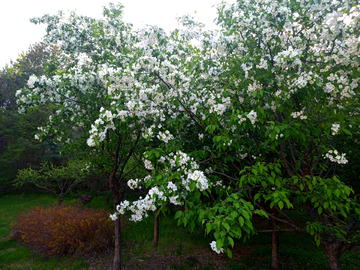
[(65, 229)]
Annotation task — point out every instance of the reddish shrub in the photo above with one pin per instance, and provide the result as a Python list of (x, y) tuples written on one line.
[(65, 229)]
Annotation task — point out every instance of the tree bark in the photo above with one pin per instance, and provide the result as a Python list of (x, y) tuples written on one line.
[(117, 256), (333, 251), (156, 227), (275, 263), (60, 200)]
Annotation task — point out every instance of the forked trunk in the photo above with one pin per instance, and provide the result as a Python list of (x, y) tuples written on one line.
[(156, 227), (275, 263)]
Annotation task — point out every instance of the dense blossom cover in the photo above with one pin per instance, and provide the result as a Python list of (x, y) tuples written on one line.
[(231, 122)]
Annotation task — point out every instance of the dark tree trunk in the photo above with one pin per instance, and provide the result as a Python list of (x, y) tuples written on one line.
[(275, 263), (156, 227), (117, 256), (60, 200), (333, 250)]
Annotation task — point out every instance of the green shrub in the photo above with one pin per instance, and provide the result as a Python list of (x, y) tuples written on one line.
[(60, 230)]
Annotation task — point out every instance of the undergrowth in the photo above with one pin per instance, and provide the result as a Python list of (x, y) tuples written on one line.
[(61, 230)]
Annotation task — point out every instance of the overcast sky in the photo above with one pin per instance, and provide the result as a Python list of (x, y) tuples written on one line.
[(17, 33)]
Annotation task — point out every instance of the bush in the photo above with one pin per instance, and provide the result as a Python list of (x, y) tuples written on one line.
[(65, 229)]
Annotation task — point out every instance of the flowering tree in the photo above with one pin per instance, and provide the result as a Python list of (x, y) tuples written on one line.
[(109, 86), (241, 124), (267, 96)]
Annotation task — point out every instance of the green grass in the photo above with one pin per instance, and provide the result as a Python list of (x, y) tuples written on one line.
[(177, 248)]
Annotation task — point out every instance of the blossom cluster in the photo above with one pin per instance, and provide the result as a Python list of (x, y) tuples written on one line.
[(166, 136), (299, 114), (335, 129), (172, 192), (340, 159)]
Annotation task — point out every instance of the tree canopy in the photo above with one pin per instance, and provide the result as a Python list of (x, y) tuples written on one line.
[(231, 123)]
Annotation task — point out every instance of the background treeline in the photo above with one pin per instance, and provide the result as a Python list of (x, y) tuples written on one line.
[(18, 148)]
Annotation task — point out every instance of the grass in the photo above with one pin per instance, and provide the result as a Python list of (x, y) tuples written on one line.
[(177, 248)]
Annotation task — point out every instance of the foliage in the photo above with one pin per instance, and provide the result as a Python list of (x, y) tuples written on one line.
[(59, 180), (60, 230), (17, 146), (246, 122)]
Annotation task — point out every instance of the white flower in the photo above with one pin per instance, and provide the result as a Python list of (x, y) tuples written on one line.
[(113, 216), (172, 186), (252, 116), (32, 80), (133, 183), (213, 247), (174, 200), (148, 165), (335, 128)]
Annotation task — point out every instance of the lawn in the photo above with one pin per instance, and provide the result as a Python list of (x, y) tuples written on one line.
[(177, 249)]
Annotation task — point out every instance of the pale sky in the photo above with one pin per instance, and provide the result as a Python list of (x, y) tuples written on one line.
[(17, 33)]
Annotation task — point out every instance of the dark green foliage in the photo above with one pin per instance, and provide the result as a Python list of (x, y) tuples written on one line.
[(59, 180), (18, 148)]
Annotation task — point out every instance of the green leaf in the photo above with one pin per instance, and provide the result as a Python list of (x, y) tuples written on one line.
[(281, 205), (229, 253), (245, 214), (208, 228), (337, 193), (310, 186), (326, 205), (178, 214), (320, 210), (261, 110), (192, 226), (192, 186), (241, 221), (231, 241), (347, 190), (234, 214), (185, 221), (219, 244), (226, 226), (346, 131)]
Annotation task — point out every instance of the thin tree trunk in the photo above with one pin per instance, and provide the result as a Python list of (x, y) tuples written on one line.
[(275, 263), (117, 256), (156, 227), (60, 200), (333, 251)]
